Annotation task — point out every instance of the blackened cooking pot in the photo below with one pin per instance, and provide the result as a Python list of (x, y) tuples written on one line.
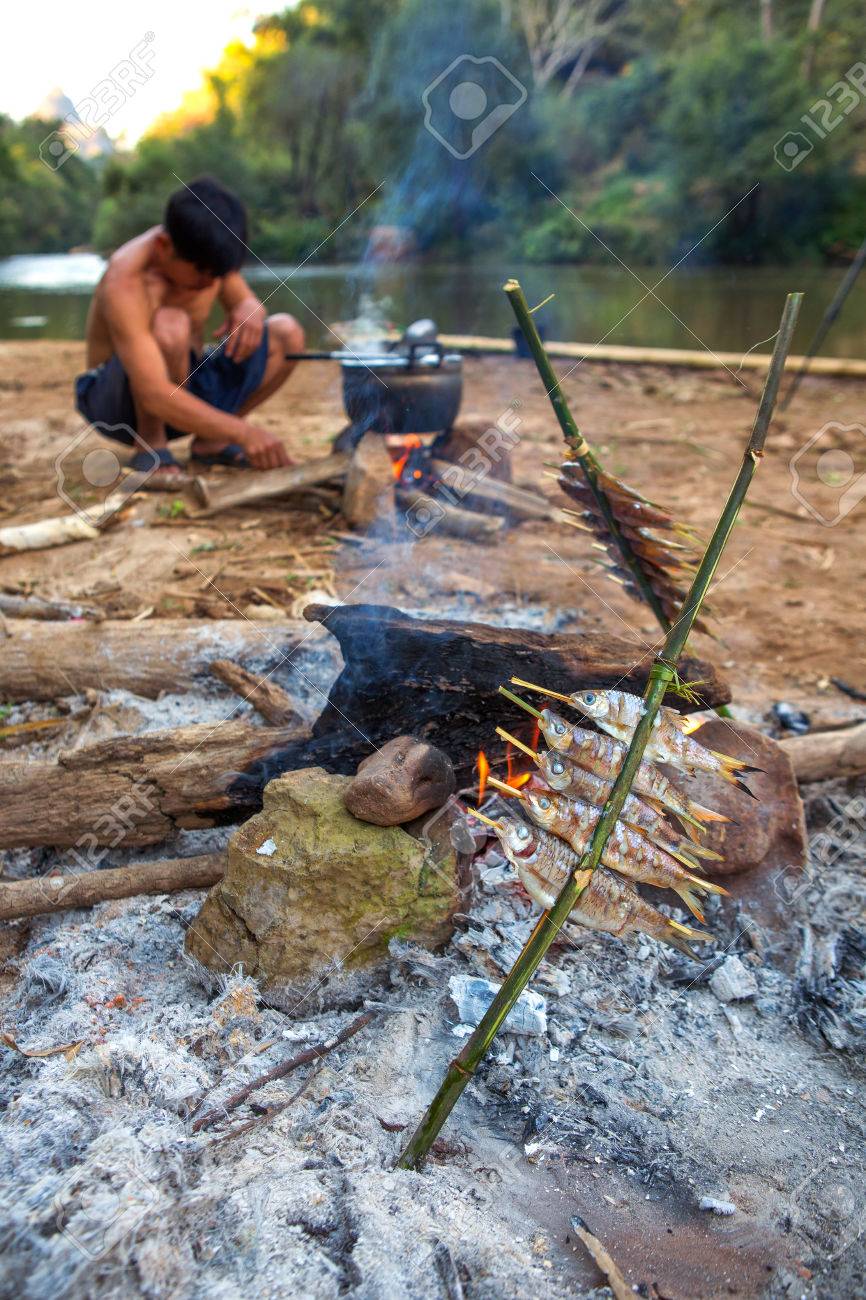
[(417, 388)]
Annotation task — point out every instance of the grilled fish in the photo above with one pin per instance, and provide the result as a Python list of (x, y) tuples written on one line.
[(543, 863), (626, 851), (604, 756)]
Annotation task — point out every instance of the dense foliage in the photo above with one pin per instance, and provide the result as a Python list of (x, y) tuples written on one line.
[(654, 122)]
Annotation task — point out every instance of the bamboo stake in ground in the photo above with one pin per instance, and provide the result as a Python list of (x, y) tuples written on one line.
[(464, 1065), (579, 446)]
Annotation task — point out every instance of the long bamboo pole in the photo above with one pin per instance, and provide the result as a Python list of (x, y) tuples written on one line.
[(579, 447), (662, 673)]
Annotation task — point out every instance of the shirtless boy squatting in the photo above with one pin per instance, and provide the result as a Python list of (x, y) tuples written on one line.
[(149, 369)]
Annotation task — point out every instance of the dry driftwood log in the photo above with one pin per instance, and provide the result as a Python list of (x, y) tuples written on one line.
[(45, 533), (14, 606), (518, 502), (266, 697), (427, 513), (824, 755), (42, 663), (136, 790), (20, 898), (439, 680), (273, 483)]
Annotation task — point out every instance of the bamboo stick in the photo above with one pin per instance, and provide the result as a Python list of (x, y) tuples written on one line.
[(464, 1065), (686, 358), (579, 447)]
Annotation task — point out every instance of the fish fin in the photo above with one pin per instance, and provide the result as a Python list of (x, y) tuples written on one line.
[(682, 855), (688, 933), (701, 851), (687, 895), (702, 814), (731, 771), (708, 887)]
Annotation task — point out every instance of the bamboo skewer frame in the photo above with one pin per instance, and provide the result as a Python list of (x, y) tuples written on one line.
[(464, 1065), (579, 447)]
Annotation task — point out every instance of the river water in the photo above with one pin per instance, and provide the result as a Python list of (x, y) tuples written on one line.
[(734, 310)]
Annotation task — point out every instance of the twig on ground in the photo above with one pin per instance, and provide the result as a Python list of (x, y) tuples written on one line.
[(280, 1071)]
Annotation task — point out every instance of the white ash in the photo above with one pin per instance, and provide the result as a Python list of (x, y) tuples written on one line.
[(646, 1098)]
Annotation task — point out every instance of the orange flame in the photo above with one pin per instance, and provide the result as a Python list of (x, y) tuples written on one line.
[(515, 781), (410, 443), (483, 767)]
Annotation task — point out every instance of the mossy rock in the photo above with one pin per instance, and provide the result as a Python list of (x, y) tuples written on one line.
[(326, 895)]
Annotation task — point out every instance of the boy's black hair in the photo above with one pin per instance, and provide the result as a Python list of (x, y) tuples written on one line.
[(207, 225)]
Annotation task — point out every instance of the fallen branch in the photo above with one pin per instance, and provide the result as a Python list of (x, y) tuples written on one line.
[(266, 697), (663, 673), (19, 898), (45, 533), (280, 1071), (272, 483), (825, 755)]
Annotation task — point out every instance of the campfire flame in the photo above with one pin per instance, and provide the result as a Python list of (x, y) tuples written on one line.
[(410, 443), (483, 768)]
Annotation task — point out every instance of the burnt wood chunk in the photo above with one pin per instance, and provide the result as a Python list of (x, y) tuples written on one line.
[(439, 680)]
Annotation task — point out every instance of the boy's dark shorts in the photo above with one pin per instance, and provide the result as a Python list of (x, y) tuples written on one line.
[(103, 395)]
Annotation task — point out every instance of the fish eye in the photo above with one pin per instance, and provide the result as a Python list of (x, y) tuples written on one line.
[(589, 697), (543, 802), (557, 766), (559, 728), (522, 832)]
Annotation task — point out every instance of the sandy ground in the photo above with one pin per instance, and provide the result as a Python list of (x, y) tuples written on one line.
[(789, 592), (646, 1094)]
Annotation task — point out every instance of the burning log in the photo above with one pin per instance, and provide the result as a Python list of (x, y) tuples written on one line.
[(439, 680), (42, 663), (137, 790)]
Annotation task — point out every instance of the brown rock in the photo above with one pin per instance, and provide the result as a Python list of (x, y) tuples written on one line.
[(311, 895), (368, 494), (402, 780)]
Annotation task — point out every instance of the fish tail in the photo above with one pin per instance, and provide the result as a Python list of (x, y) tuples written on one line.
[(708, 887), (678, 936), (699, 814), (686, 893), (731, 770), (731, 764)]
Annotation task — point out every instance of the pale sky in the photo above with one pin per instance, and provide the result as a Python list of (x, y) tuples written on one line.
[(73, 46)]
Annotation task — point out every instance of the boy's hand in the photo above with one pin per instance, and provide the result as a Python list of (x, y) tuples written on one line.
[(264, 449), (243, 328)]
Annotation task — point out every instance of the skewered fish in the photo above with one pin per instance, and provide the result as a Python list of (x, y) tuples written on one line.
[(626, 851), (564, 777), (543, 862), (618, 713), (604, 756)]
